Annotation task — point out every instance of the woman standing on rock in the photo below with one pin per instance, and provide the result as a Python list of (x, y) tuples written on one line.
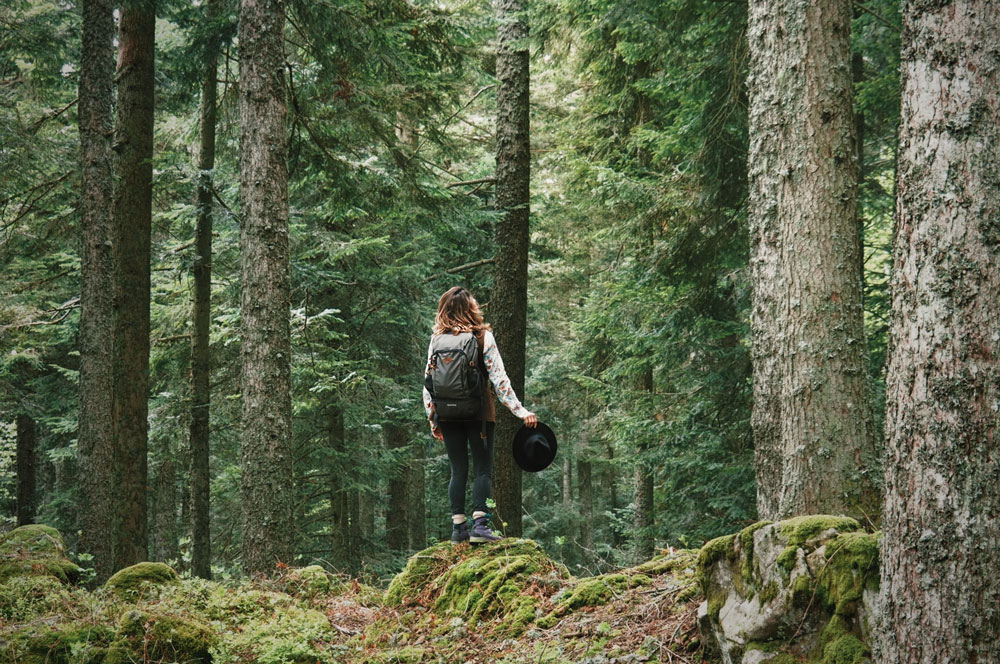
[(460, 405)]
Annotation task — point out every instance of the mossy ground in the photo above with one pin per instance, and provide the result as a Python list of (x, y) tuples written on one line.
[(450, 604)]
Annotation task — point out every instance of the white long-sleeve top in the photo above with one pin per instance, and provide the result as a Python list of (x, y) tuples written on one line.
[(496, 372)]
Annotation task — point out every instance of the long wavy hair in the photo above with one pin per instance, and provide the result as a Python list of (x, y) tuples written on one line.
[(457, 312)]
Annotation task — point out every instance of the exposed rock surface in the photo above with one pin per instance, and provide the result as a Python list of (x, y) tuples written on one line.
[(803, 589)]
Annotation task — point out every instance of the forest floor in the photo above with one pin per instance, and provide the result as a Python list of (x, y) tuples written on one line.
[(505, 602)]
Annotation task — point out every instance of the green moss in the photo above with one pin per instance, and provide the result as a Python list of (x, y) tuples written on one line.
[(308, 582), (787, 559), (713, 551), (682, 559), (837, 645), (851, 568), (35, 550), (129, 582), (519, 616), (72, 643), (421, 569), (763, 646), (769, 592), (406, 655), (25, 597), (150, 636), (279, 632), (800, 529)]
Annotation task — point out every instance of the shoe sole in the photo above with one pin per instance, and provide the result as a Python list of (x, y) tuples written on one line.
[(483, 540)]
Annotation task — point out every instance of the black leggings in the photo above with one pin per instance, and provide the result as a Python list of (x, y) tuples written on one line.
[(459, 438)]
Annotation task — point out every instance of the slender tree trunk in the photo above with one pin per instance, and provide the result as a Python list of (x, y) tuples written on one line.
[(339, 518), (201, 544), (266, 456), (642, 482), (163, 538), (25, 469), (811, 417), (585, 489), (397, 532), (941, 544), (567, 483), (132, 214), (418, 502), (95, 437), (509, 301)]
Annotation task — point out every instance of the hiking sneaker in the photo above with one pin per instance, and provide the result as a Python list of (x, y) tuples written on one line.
[(481, 531), (460, 532)]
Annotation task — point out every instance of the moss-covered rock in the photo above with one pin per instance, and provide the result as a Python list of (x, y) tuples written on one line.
[(68, 643), (309, 582), (36, 550), (146, 636), (130, 582), (813, 577), (24, 597)]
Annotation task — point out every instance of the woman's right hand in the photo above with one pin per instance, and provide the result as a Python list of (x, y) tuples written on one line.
[(436, 432), (530, 420)]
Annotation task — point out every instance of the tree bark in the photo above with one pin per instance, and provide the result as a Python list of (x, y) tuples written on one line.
[(811, 417), (95, 435), (339, 518), (567, 483), (25, 469), (642, 482), (132, 214), (941, 544), (397, 533), (266, 454), (201, 543), (585, 489), (163, 539), (509, 300), (418, 502)]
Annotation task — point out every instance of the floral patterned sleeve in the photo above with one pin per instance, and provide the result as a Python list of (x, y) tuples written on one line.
[(498, 376), (428, 406)]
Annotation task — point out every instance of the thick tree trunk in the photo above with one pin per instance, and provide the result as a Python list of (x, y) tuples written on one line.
[(25, 469), (201, 544), (132, 213), (266, 455), (509, 301), (811, 417), (95, 437), (163, 538), (941, 544), (418, 502), (397, 533)]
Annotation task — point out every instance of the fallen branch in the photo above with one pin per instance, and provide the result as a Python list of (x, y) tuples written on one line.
[(460, 268), (464, 182)]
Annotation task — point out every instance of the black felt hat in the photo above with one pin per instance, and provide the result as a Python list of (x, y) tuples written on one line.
[(535, 448)]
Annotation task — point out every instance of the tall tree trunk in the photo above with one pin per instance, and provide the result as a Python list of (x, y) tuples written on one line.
[(941, 544), (25, 469), (339, 518), (509, 301), (418, 502), (266, 456), (567, 483), (811, 418), (585, 489), (201, 544), (397, 532), (642, 482), (99, 522), (132, 214), (163, 538)]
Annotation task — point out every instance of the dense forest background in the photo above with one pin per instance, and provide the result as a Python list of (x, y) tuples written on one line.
[(638, 290)]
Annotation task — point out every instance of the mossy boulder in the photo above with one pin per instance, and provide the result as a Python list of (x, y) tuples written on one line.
[(132, 581), (66, 643), (309, 582), (145, 636), (36, 550), (493, 581), (802, 588)]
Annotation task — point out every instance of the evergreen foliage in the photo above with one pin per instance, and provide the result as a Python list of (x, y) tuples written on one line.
[(638, 262)]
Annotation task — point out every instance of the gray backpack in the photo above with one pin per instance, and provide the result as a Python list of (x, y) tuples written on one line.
[(456, 377)]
